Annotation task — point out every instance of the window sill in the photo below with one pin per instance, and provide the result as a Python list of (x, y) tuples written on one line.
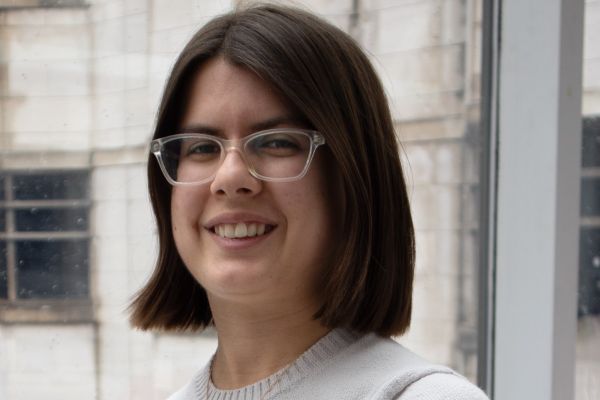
[(46, 311)]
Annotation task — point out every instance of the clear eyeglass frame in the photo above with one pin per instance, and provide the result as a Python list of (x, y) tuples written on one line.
[(157, 146)]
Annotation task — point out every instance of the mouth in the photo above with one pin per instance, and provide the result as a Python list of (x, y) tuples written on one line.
[(241, 230)]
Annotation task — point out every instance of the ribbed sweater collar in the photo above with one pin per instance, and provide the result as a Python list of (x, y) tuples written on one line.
[(311, 360)]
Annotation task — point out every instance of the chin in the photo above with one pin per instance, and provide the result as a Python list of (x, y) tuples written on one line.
[(235, 278)]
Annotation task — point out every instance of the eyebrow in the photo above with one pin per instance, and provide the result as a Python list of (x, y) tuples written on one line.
[(256, 127)]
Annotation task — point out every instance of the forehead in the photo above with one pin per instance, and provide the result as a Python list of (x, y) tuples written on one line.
[(221, 94)]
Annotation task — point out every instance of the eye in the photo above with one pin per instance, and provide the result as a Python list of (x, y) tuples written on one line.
[(201, 148), (278, 144)]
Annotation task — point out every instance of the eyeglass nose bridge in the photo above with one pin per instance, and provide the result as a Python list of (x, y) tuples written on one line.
[(228, 145)]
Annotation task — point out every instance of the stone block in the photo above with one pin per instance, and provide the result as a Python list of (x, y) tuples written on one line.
[(136, 70), (423, 130), (431, 338), (426, 106), (435, 296), (111, 284), (591, 74), (136, 6), (51, 42), (448, 162), (109, 183), (114, 9), (109, 113), (30, 17), (408, 26), (70, 77), (592, 30), (44, 114), (325, 7), (137, 112), (175, 364), (26, 78), (140, 218), (436, 207), (106, 140), (171, 14), (204, 10), (110, 221), (137, 183), (109, 37), (591, 102), (58, 358), (422, 71), (66, 16), (136, 33), (438, 253), (420, 167), (109, 74), (141, 135), (142, 256)]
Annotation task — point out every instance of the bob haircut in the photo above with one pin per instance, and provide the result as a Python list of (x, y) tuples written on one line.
[(325, 76)]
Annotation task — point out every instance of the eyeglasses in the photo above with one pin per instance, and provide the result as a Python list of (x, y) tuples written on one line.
[(276, 155)]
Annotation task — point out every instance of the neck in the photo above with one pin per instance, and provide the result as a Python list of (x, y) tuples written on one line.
[(254, 345)]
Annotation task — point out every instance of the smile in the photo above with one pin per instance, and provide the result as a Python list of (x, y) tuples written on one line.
[(241, 230)]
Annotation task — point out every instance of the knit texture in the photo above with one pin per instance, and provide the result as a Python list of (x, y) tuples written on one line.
[(345, 365)]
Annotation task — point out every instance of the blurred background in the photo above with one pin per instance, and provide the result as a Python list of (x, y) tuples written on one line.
[(80, 83)]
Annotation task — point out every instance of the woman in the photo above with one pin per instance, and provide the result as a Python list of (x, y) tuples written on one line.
[(283, 217)]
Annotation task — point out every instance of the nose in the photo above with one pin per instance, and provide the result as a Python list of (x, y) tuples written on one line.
[(233, 179)]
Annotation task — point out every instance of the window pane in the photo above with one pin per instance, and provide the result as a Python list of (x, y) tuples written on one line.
[(591, 142), (52, 269), (587, 372), (3, 272), (589, 272), (2, 187), (2, 219), (590, 197), (57, 186), (51, 220)]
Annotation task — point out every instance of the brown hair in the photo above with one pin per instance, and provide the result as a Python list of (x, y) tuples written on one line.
[(323, 73)]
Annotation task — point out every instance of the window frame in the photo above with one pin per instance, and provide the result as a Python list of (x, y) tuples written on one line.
[(536, 222)]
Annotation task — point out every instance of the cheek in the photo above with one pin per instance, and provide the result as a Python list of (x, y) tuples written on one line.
[(186, 207)]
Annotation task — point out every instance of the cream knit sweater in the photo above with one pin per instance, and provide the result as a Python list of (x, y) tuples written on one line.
[(344, 365)]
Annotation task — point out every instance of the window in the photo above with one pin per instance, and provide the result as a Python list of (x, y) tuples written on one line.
[(589, 256), (44, 245)]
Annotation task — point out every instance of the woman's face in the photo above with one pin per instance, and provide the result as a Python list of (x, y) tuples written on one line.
[(283, 264)]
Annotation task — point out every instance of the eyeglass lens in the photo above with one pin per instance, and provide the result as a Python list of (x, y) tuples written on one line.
[(275, 155)]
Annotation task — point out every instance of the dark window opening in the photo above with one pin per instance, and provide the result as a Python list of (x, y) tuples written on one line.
[(44, 239), (589, 241)]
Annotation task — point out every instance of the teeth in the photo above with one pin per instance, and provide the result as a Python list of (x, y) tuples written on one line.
[(240, 230)]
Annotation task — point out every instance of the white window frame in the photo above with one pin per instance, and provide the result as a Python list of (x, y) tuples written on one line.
[(538, 131)]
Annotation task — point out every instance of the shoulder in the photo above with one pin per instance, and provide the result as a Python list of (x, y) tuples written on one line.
[(442, 386), (389, 370), (385, 353)]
